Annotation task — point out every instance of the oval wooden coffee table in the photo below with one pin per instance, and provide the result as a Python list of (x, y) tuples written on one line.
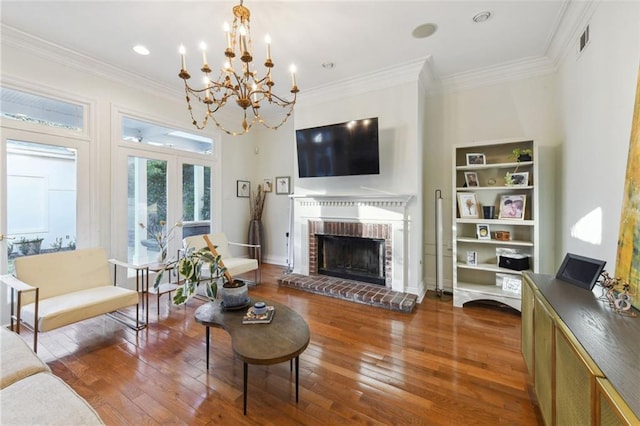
[(283, 339)]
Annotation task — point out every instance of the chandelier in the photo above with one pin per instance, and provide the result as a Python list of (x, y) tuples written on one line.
[(241, 85)]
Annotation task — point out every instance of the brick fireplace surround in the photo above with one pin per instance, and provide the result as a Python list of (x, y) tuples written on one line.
[(350, 229), (379, 217)]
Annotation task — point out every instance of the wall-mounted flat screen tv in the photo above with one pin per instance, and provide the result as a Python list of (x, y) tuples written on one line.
[(342, 149)]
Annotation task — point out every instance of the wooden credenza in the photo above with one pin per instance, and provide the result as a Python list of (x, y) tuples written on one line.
[(583, 357)]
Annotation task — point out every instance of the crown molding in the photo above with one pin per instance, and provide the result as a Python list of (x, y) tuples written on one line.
[(46, 50), (575, 16), (377, 80)]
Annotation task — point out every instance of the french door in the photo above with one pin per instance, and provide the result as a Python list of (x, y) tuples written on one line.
[(155, 192)]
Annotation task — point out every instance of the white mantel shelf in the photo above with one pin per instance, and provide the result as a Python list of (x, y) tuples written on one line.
[(353, 199)]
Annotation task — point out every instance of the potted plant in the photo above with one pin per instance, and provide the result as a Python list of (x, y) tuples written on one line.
[(190, 268), (520, 155), (234, 292)]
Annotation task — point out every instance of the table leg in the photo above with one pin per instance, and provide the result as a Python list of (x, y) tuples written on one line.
[(207, 340), (297, 375), (244, 393)]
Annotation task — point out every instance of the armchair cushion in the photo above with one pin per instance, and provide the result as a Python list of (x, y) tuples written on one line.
[(235, 265)]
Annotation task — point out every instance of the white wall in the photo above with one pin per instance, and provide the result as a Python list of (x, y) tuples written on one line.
[(274, 157), (526, 108), (597, 88)]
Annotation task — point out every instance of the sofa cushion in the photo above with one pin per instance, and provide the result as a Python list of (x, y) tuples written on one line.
[(63, 272), (17, 360), (66, 309), (44, 399)]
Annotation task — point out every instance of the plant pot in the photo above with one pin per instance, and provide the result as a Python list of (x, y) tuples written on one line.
[(235, 294), (524, 157)]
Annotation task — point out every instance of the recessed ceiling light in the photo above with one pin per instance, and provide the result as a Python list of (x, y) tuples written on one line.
[(140, 49), (424, 30), (481, 17)]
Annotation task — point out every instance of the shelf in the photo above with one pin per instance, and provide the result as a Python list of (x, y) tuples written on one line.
[(516, 222), (493, 188), (495, 242), (489, 267), (493, 290), (495, 166)]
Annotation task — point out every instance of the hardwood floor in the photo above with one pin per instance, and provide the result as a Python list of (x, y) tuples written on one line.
[(436, 366)]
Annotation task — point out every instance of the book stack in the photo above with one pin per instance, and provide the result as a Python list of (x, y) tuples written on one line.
[(262, 317)]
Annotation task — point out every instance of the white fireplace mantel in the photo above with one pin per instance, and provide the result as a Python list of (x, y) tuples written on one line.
[(346, 200), (391, 209)]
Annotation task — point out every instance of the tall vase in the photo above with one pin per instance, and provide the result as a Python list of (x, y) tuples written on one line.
[(255, 237)]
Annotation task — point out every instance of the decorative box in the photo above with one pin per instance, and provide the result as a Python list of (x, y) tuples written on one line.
[(517, 262), (502, 235)]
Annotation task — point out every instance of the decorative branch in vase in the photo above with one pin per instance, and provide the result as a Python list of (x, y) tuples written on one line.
[(256, 207)]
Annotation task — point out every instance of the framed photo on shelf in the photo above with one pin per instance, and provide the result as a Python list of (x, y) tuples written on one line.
[(474, 159), (472, 258), (519, 179), (512, 207), (283, 184), (483, 232), (267, 186), (243, 188), (467, 205), (471, 179)]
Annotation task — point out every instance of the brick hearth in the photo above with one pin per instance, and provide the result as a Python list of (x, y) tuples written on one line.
[(355, 291)]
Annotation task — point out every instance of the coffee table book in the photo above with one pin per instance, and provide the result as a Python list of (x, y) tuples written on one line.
[(251, 318)]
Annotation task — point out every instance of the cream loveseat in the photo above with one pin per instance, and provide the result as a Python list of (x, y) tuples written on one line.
[(31, 395), (235, 265), (57, 289)]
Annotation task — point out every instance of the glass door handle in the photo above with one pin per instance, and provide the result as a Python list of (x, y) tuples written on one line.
[(6, 237)]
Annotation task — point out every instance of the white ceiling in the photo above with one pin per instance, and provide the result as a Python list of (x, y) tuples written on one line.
[(359, 37)]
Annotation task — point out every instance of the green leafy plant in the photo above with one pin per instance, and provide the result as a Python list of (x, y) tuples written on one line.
[(57, 244), (190, 268), (517, 153)]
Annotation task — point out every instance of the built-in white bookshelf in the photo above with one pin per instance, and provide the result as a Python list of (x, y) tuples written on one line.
[(479, 180)]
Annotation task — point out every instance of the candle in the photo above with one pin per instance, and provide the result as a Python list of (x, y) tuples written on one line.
[(243, 38), (267, 39), (227, 31), (292, 68), (203, 47), (182, 53), (255, 94)]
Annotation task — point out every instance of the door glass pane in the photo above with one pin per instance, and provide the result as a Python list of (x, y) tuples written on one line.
[(144, 132), (41, 199), (147, 205), (23, 106), (196, 200)]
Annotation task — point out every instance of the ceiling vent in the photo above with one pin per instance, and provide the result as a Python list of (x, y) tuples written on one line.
[(584, 39)]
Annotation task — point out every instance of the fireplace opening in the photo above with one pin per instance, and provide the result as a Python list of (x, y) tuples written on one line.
[(354, 258)]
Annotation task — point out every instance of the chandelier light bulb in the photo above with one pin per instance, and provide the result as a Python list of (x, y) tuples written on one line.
[(182, 51), (203, 48)]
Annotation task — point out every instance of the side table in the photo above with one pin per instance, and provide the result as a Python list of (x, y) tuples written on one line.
[(162, 288)]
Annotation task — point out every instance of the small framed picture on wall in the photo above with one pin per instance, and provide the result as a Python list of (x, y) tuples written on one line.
[(283, 185), (267, 186), (243, 188)]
